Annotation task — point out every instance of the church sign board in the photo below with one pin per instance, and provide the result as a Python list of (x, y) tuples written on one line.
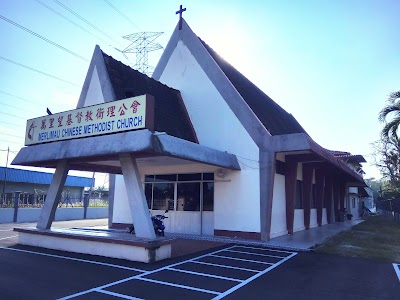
[(111, 117)]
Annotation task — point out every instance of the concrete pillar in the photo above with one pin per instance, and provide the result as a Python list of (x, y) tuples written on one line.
[(267, 178), (328, 198), (16, 204), (336, 197), (290, 189), (342, 195), (48, 211), (111, 193), (136, 198), (308, 171), (319, 191)]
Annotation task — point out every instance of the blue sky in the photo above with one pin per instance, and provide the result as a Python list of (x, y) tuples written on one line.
[(331, 64)]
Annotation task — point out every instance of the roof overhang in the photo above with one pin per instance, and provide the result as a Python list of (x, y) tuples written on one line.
[(308, 151), (101, 153)]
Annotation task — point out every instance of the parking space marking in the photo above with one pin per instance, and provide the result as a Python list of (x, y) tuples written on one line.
[(242, 259), (136, 276), (236, 287), (179, 286), (218, 295), (264, 249), (117, 295), (258, 254), (73, 259), (9, 237), (224, 266), (98, 289), (397, 270), (204, 274)]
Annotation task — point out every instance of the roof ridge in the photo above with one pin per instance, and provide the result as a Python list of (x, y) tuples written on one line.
[(150, 79)]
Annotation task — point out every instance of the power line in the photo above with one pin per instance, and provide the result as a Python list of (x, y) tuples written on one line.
[(43, 38), (11, 115), (121, 13), (37, 71), (12, 135), (69, 20), (12, 106), (15, 96), (84, 20), (11, 142), (8, 123)]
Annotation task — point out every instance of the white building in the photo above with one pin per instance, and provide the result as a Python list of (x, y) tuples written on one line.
[(221, 156)]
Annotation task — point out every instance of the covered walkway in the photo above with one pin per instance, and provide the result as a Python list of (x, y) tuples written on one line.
[(303, 240)]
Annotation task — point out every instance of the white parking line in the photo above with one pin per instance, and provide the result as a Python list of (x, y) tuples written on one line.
[(242, 259), (117, 295), (258, 254), (236, 287), (179, 286), (219, 295), (224, 266), (264, 249), (204, 274), (397, 270), (9, 237), (74, 259), (137, 276)]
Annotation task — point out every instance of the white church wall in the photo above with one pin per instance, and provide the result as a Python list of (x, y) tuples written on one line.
[(313, 218), (324, 217), (121, 210), (237, 202), (299, 172), (298, 223), (353, 190), (94, 93), (278, 224)]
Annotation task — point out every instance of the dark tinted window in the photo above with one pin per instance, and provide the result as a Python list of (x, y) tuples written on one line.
[(189, 177)]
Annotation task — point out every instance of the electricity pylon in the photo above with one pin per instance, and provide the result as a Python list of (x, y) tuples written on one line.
[(142, 44)]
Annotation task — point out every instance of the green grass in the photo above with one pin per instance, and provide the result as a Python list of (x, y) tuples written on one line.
[(376, 238)]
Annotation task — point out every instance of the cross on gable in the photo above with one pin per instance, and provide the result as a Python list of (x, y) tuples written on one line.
[(180, 11)]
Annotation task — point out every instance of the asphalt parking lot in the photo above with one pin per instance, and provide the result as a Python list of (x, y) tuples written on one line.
[(225, 272)]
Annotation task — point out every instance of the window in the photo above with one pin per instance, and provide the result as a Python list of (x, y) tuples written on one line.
[(181, 192), (299, 194), (163, 196), (353, 202), (188, 196), (208, 196)]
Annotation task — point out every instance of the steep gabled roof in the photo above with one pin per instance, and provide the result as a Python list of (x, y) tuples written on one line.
[(275, 119), (26, 176), (169, 110)]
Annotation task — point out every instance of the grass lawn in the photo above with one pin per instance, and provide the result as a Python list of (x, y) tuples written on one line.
[(376, 237)]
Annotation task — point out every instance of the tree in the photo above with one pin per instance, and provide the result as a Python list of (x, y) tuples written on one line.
[(376, 186), (387, 158), (393, 109)]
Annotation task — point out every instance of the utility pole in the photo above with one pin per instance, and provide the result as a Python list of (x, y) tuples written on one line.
[(5, 173)]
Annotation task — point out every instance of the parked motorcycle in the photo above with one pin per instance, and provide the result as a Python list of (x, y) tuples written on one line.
[(158, 224)]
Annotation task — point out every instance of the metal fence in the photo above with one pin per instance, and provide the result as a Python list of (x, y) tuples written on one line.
[(390, 209), (23, 200), (391, 205)]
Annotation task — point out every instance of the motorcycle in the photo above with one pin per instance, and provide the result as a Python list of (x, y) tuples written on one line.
[(158, 224)]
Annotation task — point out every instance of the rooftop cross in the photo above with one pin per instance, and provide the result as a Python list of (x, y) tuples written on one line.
[(180, 11)]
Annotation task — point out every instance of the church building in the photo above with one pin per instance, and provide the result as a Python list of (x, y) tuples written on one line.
[(221, 156)]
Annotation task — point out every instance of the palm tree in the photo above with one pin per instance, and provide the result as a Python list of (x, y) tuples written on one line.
[(392, 108)]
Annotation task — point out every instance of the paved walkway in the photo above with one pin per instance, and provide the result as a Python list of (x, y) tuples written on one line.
[(303, 240)]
